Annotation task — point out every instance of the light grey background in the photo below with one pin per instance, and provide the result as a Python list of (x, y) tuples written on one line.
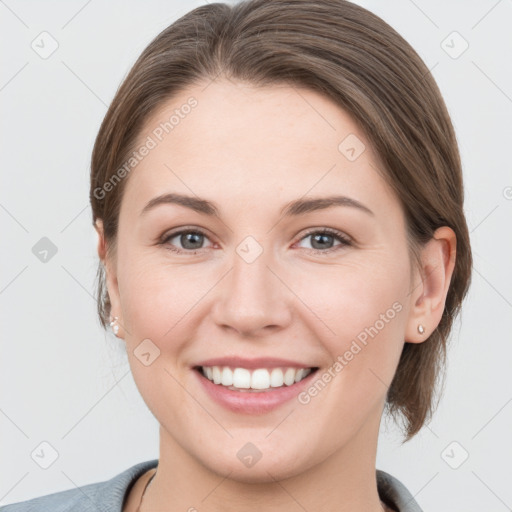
[(66, 382)]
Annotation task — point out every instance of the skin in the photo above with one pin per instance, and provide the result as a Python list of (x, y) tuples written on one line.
[(240, 145)]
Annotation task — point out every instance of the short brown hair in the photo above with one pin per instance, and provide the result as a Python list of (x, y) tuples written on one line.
[(358, 61)]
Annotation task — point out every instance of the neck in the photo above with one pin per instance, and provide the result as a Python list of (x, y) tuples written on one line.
[(343, 482)]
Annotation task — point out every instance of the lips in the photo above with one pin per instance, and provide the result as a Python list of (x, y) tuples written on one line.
[(253, 386)]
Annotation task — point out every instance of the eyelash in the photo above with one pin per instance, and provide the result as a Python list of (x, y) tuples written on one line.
[(345, 241)]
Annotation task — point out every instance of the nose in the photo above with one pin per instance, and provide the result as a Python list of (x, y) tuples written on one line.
[(252, 300)]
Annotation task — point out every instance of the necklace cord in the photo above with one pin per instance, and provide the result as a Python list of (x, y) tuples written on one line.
[(145, 489)]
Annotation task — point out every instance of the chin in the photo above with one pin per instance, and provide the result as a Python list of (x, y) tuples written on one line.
[(266, 469)]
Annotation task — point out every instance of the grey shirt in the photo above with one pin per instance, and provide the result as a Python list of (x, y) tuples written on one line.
[(110, 494)]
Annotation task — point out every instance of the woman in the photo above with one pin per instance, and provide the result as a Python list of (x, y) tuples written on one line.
[(278, 195)]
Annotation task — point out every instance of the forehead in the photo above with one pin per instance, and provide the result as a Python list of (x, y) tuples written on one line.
[(229, 139)]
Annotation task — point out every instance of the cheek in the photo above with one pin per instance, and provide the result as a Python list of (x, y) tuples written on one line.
[(156, 301), (155, 296), (348, 298), (359, 318)]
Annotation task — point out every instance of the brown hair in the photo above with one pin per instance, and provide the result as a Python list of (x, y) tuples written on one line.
[(359, 61)]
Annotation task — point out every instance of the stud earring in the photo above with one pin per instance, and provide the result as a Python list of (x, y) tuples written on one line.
[(421, 329), (114, 325)]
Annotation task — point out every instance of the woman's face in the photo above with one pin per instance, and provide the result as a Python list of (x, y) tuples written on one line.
[(260, 281)]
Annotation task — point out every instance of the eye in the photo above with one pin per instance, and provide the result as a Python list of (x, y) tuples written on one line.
[(190, 239), (322, 240)]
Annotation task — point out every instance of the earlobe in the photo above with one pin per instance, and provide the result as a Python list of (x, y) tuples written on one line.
[(428, 298), (114, 325)]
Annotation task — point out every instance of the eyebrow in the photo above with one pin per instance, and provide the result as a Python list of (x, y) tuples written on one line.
[(294, 208)]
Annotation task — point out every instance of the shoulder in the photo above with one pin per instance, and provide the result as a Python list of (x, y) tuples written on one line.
[(395, 494), (106, 495)]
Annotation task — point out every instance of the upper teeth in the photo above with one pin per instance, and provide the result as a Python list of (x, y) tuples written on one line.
[(261, 378)]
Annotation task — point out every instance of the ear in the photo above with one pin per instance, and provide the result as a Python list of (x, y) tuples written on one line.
[(110, 277), (431, 284)]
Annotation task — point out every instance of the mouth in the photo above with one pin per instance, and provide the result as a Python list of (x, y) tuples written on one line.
[(256, 385), (258, 380)]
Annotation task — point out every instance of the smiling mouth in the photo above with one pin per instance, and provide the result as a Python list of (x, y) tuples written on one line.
[(257, 380)]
